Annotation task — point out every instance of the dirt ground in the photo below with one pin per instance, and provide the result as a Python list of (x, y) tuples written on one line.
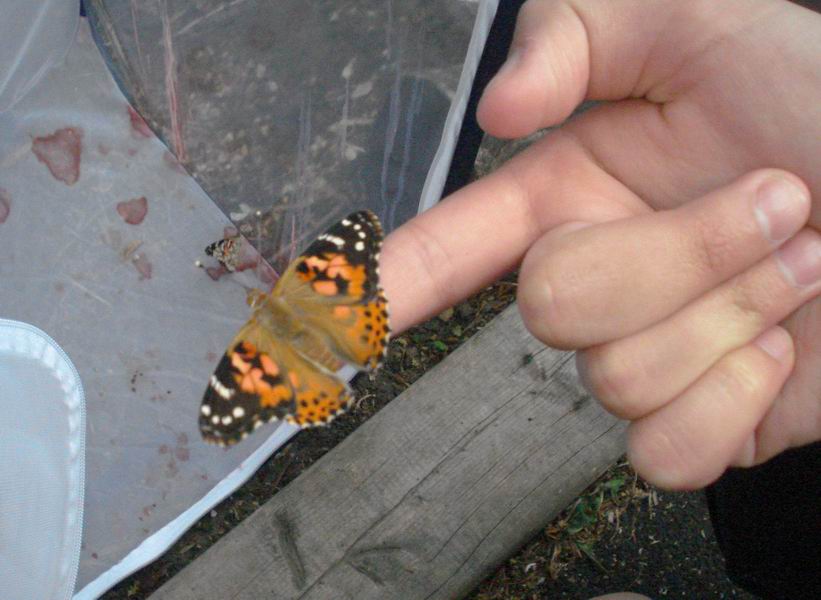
[(620, 535)]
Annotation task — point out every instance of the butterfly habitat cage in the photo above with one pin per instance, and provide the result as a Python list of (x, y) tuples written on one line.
[(130, 139)]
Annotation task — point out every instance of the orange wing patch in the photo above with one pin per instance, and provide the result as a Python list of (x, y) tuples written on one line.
[(319, 397), (370, 333), (359, 333), (332, 274), (258, 374)]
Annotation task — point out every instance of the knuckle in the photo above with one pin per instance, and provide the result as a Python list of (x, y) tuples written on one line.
[(664, 456), (616, 382), (536, 305), (545, 305), (735, 377), (747, 303), (713, 245)]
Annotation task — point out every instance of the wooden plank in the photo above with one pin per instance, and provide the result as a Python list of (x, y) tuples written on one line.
[(424, 499)]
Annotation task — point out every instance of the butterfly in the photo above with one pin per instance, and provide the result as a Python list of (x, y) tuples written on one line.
[(226, 251), (327, 310)]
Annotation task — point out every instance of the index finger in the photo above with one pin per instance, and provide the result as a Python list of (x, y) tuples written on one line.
[(482, 231)]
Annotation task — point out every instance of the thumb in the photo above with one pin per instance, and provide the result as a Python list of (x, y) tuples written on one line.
[(566, 51)]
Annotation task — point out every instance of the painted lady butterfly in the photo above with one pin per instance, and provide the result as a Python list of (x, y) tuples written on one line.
[(226, 251), (327, 310)]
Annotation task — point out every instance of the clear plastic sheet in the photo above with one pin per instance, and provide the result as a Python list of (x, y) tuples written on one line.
[(288, 115), (34, 36), (303, 110)]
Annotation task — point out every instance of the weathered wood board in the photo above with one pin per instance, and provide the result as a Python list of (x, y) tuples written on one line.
[(427, 497)]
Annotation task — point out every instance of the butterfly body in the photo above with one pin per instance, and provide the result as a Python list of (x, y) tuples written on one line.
[(326, 311)]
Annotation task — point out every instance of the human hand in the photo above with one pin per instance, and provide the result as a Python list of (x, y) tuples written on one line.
[(644, 246)]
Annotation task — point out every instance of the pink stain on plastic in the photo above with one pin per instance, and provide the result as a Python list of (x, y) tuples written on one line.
[(60, 152), (5, 205), (142, 265), (139, 128), (133, 211)]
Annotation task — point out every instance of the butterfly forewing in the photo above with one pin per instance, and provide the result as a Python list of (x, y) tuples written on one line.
[(324, 287), (340, 267)]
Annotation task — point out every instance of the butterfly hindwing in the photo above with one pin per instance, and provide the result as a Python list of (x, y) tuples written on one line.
[(248, 388), (319, 396)]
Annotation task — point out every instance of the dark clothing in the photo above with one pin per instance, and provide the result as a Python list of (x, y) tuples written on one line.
[(768, 523)]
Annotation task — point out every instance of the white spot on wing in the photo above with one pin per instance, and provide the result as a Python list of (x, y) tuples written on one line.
[(238, 412), (360, 246), (205, 409), (224, 392)]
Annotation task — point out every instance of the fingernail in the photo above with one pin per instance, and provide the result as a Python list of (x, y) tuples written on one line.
[(780, 208), (776, 342), (800, 259)]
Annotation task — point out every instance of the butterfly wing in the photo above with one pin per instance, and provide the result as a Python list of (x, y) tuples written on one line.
[(226, 251), (248, 388), (319, 396), (258, 380), (333, 287)]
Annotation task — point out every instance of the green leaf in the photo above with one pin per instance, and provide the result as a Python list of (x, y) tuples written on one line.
[(584, 514), (439, 345), (614, 486)]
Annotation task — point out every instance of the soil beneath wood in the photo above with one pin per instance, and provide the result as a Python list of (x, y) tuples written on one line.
[(621, 535)]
